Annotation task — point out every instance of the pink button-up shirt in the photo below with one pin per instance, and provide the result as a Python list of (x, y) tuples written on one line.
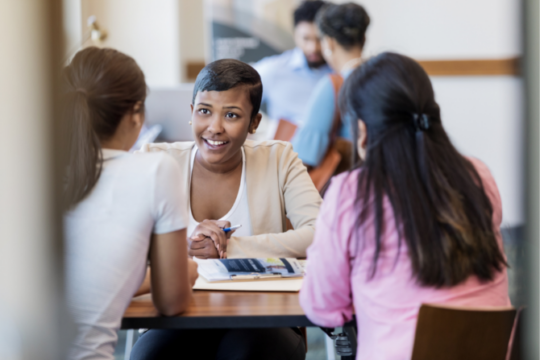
[(386, 305)]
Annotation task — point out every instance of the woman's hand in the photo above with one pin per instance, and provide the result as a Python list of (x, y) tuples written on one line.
[(192, 272), (203, 249), (209, 232)]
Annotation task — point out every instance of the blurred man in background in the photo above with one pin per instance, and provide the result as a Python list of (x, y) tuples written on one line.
[(289, 78)]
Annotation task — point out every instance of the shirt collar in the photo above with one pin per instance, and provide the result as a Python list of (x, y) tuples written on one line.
[(345, 73), (112, 153), (298, 60)]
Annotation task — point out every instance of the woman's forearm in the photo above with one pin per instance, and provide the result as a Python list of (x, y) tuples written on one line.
[(145, 286), (292, 243)]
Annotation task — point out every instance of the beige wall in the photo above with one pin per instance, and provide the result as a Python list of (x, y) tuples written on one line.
[(144, 29), (192, 34), (163, 35), (72, 27)]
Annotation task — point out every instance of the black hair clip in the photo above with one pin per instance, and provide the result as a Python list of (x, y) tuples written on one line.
[(421, 122)]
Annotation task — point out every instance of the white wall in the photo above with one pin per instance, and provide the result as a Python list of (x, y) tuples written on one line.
[(483, 115), (444, 29)]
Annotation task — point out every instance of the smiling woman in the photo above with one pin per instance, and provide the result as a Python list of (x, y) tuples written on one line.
[(231, 180)]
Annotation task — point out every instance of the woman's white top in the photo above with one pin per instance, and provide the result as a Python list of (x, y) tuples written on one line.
[(239, 212), (107, 242)]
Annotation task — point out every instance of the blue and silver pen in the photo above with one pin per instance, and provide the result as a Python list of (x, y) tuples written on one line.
[(229, 229)]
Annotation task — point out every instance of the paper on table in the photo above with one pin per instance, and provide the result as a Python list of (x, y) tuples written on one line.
[(286, 285), (248, 269)]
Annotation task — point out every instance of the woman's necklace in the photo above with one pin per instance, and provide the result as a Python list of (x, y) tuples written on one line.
[(351, 64)]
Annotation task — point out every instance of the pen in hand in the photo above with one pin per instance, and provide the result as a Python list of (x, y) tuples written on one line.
[(226, 231), (229, 229)]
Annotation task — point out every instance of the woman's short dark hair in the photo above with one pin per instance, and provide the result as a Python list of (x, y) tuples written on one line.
[(438, 199), (347, 23), (225, 74), (307, 11)]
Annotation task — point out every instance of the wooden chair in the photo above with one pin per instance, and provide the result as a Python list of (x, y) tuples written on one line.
[(514, 348), (446, 333)]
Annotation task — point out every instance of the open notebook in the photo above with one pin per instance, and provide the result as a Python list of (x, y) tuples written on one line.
[(268, 274)]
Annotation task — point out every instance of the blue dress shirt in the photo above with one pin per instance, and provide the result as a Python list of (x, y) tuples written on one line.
[(311, 140), (288, 82)]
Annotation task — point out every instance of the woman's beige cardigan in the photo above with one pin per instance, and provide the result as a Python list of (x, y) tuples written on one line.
[(278, 186)]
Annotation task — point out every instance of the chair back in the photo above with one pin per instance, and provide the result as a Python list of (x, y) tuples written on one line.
[(462, 334), (285, 130), (514, 348)]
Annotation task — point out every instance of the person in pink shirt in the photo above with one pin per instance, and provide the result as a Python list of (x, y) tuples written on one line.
[(416, 222)]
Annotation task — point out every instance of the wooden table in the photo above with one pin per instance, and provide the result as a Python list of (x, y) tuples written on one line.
[(221, 309)]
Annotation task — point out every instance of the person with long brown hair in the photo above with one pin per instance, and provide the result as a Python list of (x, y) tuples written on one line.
[(122, 209), (416, 222)]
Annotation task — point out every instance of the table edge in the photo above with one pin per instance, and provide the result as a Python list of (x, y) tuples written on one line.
[(216, 322)]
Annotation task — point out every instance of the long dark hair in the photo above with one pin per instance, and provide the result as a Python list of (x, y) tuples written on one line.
[(100, 86), (441, 209)]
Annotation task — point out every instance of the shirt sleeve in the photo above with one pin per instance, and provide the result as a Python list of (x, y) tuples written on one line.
[(302, 202), (347, 122), (264, 68), (313, 137), (326, 292), (169, 199)]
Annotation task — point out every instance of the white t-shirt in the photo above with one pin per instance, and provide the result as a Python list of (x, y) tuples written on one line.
[(107, 242), (239, 213)]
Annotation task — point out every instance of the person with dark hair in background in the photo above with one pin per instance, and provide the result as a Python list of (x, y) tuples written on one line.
[(235, 181), (417, 222), (343, 30), (121, 210), (289, 78)]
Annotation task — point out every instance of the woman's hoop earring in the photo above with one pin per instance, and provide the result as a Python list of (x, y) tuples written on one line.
[(190, 123)]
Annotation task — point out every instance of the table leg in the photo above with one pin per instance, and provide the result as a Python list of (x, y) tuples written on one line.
[(350, 331), (330, 351), (345, 342), (129, 343)]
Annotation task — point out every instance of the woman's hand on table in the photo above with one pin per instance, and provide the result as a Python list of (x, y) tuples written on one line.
[(209, 241)]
